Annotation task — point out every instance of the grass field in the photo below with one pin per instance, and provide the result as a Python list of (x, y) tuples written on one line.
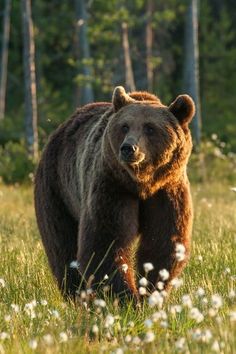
[(34, 317)]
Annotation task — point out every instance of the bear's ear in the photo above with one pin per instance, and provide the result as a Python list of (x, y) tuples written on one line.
[(120, 98), (183, 108)]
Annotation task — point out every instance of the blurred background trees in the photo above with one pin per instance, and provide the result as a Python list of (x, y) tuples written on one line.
[(84, 48)]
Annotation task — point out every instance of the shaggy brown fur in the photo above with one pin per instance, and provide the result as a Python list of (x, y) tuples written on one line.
[(113, 174)]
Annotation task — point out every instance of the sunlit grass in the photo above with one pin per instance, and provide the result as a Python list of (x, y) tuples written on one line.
[(52, 326)]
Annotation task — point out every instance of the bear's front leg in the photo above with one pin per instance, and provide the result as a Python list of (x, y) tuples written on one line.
[(165, 225), (108, 229)]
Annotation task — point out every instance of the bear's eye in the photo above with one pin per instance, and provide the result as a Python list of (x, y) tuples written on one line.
[(148, 129), (125, 128)]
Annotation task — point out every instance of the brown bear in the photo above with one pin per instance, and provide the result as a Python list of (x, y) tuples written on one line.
[(113, 177)]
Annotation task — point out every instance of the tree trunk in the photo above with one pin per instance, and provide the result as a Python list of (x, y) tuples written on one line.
[(84, 90), (4, 57), (191, 68), (30, 80), (129, 76), (149, 43)]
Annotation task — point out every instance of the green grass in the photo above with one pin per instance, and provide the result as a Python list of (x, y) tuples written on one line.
[(23, 266)]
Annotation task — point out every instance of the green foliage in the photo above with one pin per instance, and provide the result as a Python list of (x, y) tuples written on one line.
[(15, 165)]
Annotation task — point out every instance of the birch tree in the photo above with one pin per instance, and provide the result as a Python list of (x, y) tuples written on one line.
[(29, 80), (191, 67), (4, 57)]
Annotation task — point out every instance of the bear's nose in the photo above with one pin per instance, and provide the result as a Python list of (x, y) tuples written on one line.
[(127, 150)]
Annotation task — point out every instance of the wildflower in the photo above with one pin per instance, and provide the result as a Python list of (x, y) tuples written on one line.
[(174, 309), (55, 314), (4, 335), (164, 324), (15, 307), (48, 339), (159, 315), (149, 337), (63, 337), (196, 315), (33, 344), (148, 323), (215, 346), (43, 302), (128, 338), (186, 300), (143, 282), (206, 336), (95, 329), (164, 274), (131, 324), (212, 312), (200, 258), (136, 340), (232, 294), (155, 299), (7, 318), (232, 316), (124, 267), (227, 270), (160, 285), (105, 277), (142, 291), (109, 321), (180, 252), (204, 301), (2, 283), (200, 292), (214, 136), (119, 351), (180, 344), (148, 267), (99, 303), (216, 301), (176, 282), (74, 264)]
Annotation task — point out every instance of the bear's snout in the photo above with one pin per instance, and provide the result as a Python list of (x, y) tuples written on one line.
[(128, 152)]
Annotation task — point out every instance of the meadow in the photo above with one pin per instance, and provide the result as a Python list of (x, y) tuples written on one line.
[(199, 316)]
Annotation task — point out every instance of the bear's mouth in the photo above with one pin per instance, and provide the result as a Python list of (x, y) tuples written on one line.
[(133, 160)]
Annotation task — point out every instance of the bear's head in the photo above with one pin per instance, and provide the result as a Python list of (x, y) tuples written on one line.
[(152, 142)]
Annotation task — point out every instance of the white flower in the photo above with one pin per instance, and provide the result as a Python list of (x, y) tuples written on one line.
[(180, 344), (148, 267), (214, 136), (174, 309), (200, 292), (15, 307), (159, 315), (186, 300), (149, 337), (55, 314), (99, 303), (164, 274), (63, 337), (196, 315), (119, 351), (43, 302), (232, 294), (2, 283), (212, 312), (143, 282), (136, 340), (215, 346), (160, 285), (74, 264), (109, 321), (142, 291), (33, 344), (206, 336), (148, 323), (105, 277), (48, 339), (124, 267), (128, 338), (216, 301), (176, 282), (200, 258), (204, 301), (164, 324), (95, 329), (4, 335), (155, 299), (227, 270), (131, 324), (232, 316), (7, 318), (180, 252)]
